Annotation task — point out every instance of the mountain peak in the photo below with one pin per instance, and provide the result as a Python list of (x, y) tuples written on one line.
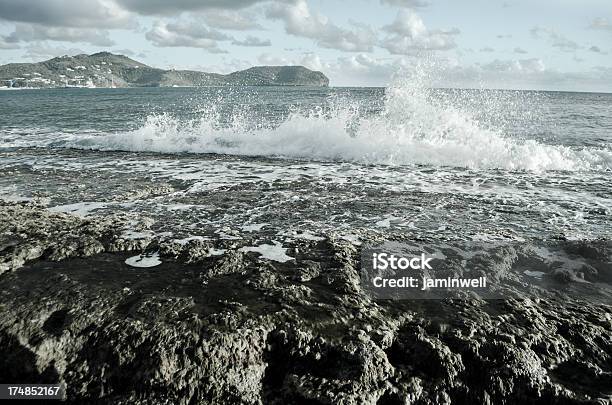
[(104, 53)]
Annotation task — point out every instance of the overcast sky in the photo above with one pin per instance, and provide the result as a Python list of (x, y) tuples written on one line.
[(521, 44)]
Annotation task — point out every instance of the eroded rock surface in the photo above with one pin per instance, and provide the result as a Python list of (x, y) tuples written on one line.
[(213, 324), (28, 232)]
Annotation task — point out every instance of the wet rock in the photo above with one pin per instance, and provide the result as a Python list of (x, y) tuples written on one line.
[(308, 271), (230, 263), (29, 232), (232, 328)]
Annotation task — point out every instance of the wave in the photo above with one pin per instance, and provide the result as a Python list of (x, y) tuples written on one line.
[(410, 129)]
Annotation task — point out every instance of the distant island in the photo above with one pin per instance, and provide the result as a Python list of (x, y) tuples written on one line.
[(106, 70)]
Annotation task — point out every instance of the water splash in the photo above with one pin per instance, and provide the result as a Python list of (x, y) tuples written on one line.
[(416, 125)]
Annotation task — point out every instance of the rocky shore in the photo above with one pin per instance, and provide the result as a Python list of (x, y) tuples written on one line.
[(215, 323)]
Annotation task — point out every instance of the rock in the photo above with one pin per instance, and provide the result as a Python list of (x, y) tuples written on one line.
[(28, 232), (264, 332)]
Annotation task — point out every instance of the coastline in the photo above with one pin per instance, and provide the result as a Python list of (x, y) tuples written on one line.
[(240, 328)]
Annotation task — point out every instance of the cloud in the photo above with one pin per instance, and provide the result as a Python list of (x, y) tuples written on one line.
[(313, 61), (604, 72), (406, 3), (409, 35), (126, 52), (186, 34), (596, 49), (601, 24), (520, 50), (36, 33), (40, 51), (7, 45), (356, 70), (83, 21), (300, 21), (532, 74), (130, 53), (361, 69), (66, 13), (555, 39), (271, 60), (230, 20), (166, 7), (252, 41), (487, 49), (364, 70), (518, 74), (225, 67), (528, 66)]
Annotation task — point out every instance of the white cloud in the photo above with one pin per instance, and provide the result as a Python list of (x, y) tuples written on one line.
[(407, 23), (186, 34), (409, 35), (533, 65), (487, 49), (364, 70), (601, 24), (252, 41), (40, 51), (313, 61), (520, 50), (356, 70), (310, 60), (35, 33), (302, 22), (231, 20), (503, 74), (271, 60)]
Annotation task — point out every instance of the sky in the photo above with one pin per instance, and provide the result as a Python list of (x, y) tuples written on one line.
[(511, 44)]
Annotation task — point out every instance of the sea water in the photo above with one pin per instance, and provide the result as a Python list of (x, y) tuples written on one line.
[(303, 162)]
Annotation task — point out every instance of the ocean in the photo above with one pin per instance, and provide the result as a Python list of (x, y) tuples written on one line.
[(281, 162), (291, 245)]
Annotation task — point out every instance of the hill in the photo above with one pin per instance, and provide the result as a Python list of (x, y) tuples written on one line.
[(105, 69)]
